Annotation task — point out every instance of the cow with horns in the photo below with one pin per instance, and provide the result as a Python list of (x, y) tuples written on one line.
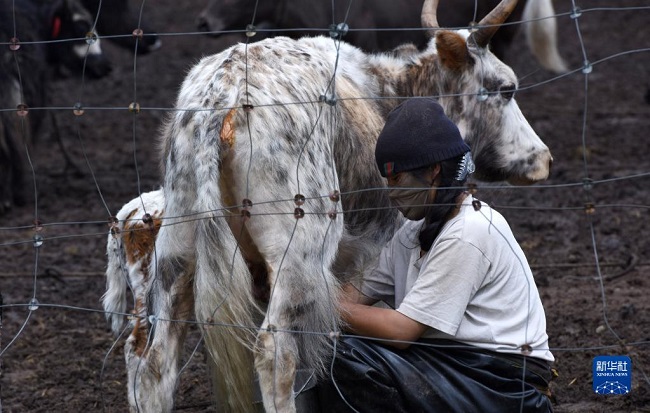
[(39, 48), (269, 174)]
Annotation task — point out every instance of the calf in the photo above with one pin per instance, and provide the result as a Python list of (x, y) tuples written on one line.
[(271, 173), (36, 31), (129, 250), (375, 24)]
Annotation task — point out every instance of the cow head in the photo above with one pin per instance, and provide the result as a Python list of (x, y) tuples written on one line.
[(117, 18), (504, 145), (75, 46)]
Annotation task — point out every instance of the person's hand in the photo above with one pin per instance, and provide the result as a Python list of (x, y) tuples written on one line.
[(384, 323)]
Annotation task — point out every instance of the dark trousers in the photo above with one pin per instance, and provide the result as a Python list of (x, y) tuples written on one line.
[(439, 376)]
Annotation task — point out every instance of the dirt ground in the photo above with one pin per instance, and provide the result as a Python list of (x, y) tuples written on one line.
[(590, 268)]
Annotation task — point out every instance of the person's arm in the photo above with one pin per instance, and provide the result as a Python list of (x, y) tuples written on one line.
[(382, 323), (352, 294), (363, 319)]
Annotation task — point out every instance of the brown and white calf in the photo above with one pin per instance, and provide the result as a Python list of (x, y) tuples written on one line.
[(130, 251), (269, 172)]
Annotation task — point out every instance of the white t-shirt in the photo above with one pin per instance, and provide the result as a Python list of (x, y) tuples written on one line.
[(474, 285)]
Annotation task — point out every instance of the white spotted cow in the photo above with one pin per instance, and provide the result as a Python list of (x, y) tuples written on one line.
[(269, 173)]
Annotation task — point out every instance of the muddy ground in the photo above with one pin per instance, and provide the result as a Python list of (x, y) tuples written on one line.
[(591, 269)]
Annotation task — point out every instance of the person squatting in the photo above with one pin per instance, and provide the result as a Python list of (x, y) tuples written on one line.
[(463, 328)]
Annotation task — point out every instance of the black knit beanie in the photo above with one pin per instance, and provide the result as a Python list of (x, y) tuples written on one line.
[(417, 134)]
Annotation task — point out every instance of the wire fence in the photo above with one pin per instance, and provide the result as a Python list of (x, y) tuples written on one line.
[(583, 230)]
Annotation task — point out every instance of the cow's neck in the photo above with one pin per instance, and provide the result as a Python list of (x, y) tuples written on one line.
[(416, 77), (421, 76)]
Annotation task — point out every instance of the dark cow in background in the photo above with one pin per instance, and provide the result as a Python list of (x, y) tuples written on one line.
[(298, 18), (118, 19), (56, 21), (30, 57)]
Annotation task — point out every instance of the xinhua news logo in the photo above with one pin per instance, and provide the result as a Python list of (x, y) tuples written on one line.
[(612, 375)]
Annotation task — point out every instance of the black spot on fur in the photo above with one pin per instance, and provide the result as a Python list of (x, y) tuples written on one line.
[(169, 270), (296, 312), (281, 175), (311, 157), (172, 158), (186, 118)]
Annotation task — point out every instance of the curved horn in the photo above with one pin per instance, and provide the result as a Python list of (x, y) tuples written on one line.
[(429, 16), (491, 23)]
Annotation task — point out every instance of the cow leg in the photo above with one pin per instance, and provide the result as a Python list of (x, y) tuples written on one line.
[(70, 165), (301, 311), (276, 359), (153, 350)]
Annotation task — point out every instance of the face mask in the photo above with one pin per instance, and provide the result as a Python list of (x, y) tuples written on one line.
[(410, 197)]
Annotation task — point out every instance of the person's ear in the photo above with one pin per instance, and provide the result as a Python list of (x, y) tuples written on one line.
[(435, 173)]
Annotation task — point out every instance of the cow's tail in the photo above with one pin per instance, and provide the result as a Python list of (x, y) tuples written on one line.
[(224, 301), (196, 236), (114, 299), (541, 34)]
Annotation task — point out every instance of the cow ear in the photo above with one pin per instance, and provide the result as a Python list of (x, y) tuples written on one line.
[(452, 50), (52, 12)]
